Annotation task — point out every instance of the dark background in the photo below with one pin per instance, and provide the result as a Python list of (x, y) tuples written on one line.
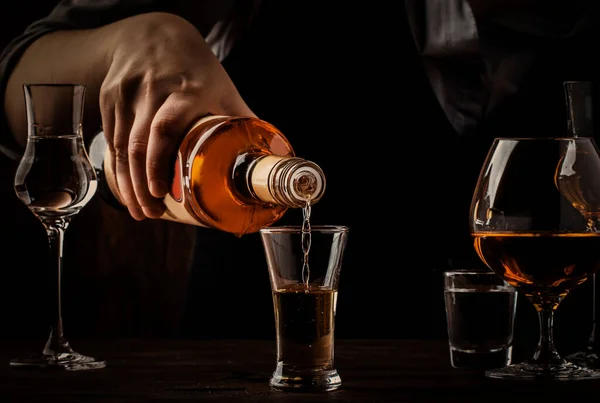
[(124, 278)]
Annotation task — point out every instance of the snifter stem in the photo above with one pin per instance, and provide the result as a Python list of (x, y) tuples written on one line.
[(546, 354)]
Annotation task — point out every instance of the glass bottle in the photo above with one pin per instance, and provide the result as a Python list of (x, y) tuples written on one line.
[(235, 174)]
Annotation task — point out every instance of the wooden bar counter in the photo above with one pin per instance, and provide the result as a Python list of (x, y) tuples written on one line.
[(239, 370)]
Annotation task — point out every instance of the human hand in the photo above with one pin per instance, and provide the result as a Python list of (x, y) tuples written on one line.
[(162, 77)]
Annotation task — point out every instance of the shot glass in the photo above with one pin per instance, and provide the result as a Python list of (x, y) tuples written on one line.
[(304, 268), (480, 313)]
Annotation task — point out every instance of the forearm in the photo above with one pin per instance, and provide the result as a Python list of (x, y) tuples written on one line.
[(80, 56), (60, 57)]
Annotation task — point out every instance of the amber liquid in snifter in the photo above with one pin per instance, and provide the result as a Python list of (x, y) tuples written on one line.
[(542, 265)]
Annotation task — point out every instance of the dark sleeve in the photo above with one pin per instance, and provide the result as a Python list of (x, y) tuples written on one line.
[(445, 34), (506, 70), (67, 14), (529, 55)]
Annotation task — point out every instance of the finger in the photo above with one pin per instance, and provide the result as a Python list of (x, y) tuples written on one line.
[(138, 148), (167, 130), (233, 105), (121, 157), (107, 113)]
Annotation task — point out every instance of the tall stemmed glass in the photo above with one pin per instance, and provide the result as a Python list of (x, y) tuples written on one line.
[(55, 180), (534, 221)]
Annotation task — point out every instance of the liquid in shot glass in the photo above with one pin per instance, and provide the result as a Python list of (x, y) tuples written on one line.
[(480, 312), (304, 268)]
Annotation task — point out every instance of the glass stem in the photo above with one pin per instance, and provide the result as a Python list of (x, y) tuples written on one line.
[(56, 343), (592, 340), (546, 354)]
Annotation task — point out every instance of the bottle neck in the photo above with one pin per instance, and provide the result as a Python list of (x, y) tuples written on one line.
[(287, 181)]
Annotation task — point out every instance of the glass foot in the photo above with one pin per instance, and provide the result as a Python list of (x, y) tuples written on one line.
[(71, 361), (587, 359), (565, 371), (305, 381)]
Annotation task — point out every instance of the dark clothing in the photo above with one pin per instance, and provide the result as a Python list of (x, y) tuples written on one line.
[(398, 106)]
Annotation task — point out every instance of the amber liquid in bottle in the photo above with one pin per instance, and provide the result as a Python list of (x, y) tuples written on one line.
[(238, 175)]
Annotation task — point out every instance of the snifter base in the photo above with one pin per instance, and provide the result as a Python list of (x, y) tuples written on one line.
[(564, 371), (322, 381), (587, 359), (66, 361)]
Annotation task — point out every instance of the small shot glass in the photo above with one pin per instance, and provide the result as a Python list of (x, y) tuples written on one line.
[(480, 313), (304, 268)]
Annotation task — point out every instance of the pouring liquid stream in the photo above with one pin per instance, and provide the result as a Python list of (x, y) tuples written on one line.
[(306, 241)]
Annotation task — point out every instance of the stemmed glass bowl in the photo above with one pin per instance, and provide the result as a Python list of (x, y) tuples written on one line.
[(534, 220)]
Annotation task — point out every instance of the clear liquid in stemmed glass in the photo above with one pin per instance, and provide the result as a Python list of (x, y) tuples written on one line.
[(55, 180)]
